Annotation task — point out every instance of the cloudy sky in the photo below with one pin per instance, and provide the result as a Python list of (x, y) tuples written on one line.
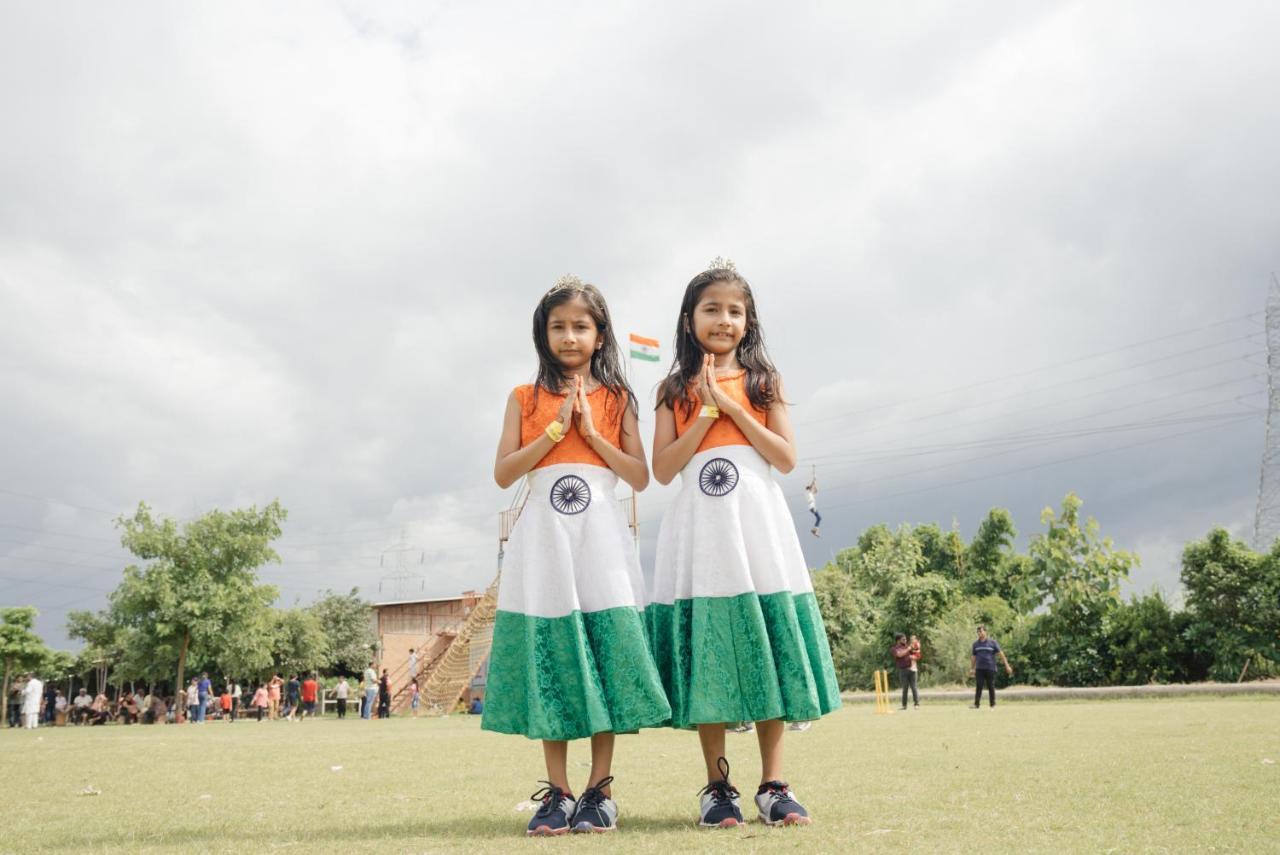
[(247, 251)]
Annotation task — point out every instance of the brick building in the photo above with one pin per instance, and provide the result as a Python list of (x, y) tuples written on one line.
[(427, 626)]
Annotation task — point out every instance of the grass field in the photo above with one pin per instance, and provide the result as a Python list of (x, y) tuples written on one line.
[(1152, 775)]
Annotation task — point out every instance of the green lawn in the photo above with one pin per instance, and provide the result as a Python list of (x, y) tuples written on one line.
[(1151, 775)]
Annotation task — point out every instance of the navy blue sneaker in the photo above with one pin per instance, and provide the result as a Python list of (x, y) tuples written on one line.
[(778, 805), (596, 811), (720, 801), (552, 816)]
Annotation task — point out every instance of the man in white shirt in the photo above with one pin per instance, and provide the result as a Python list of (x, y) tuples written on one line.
[(80, 706), (340, 692), (31, 697)]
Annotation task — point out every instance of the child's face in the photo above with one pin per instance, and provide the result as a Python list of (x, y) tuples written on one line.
[(572, 335), (720, 318)]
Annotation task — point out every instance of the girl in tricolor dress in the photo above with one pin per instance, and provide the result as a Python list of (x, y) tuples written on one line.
[(735, 629), (570, 659)]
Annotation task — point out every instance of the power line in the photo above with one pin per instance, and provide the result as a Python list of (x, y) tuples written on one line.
[(1031, 371)]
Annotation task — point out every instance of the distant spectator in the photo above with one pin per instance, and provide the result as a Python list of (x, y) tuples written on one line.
[(235, 700), (32, 696), (413, 664), (983, 666), (193, 701), (384, 695), (370, 691), (273, 696), (901, 653), (414, 697), (292, 696), (261, 700), (128, 709), (204, 691), (80, 706), (49, 710), (60, 707), (340, 692), (477, 705), (100, 711), (310, 689), (224, 702)]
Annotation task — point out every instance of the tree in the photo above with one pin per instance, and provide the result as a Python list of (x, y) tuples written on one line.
[(20, 648), (299, 644), (1071, 564), (942, 553), (1233, 594), (1144, 642), (201, 586), (348, 628), (994, 568), (104, 640)]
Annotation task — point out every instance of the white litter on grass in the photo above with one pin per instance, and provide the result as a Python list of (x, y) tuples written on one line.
[(880, 831), (1267, 761), (205, 797), (523, 806), (90, 790), (335, 768)]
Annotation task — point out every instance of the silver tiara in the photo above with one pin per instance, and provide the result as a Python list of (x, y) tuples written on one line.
[(567, 281), (721, 263)]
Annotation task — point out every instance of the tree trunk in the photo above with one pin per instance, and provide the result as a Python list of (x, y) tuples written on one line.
[(4, 702), (182, 664)]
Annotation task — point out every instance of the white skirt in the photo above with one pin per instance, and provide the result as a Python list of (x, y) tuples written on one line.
[(571, 549), (728, 532)]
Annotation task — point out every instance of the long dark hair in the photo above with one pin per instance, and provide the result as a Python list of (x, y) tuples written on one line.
[(762, 378), (606, 361)]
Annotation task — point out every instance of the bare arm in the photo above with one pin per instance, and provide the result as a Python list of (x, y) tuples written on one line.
[(777, 443), (628, 461), (671, 453), (1007, 666), (514, 462)]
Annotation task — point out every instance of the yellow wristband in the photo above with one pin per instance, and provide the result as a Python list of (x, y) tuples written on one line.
[(555, 431), (709, 412)]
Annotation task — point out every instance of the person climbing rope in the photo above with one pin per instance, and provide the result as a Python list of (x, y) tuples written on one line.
[(811, 494)]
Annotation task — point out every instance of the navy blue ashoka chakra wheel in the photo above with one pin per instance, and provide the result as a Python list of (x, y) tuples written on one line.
[(570, 495), (718, 477)]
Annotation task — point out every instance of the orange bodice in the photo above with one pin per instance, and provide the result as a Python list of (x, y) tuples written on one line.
[(606, 414), (723, 431)]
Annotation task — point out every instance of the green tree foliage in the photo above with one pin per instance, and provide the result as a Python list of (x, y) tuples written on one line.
[(953, 633), (298, 645), (1071, 564), (21, 649), (201, 586), (1233, 595), (347, 622), (1145, 643), (106, 641), (1056, 610)]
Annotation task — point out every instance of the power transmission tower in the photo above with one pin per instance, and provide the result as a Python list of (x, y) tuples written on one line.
[(1266, 525), (402, 583)]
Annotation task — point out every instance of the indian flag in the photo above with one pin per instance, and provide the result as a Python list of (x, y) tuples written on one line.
[(644, 348)]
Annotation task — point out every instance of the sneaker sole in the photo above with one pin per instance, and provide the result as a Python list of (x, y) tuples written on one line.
[(588, 828), (547, 831), (727, 822), (789, 819)]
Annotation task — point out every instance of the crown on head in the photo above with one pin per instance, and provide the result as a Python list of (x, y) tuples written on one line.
[(721, 263), (567, 281)]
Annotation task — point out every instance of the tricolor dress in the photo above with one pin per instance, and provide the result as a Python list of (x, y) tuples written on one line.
[(570, 657), (734, 625)]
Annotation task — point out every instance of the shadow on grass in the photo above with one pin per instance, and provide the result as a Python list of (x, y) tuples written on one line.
[(460, 828)]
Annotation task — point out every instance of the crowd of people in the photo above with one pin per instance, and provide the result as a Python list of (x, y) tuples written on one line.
[(32, 703)]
